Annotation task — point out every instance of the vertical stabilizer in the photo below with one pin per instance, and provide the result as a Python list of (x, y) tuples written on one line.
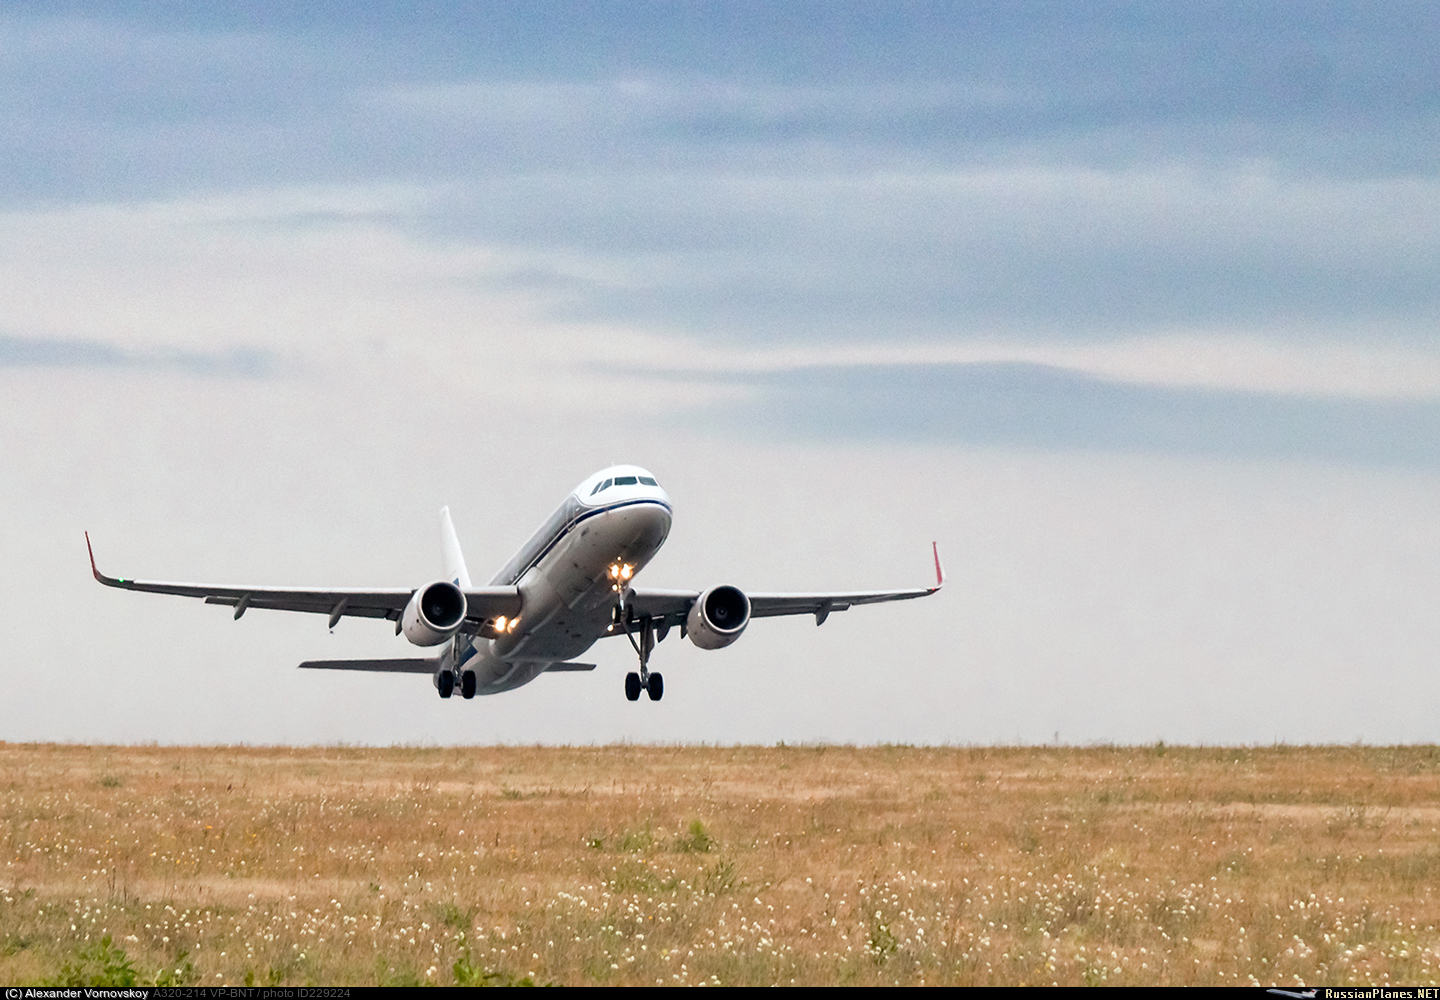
[(455, 570)]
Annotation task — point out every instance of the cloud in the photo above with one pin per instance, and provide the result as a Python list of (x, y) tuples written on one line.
[(997, 253), (1380, 370), (1209, 203), (39, 352), (1088, 172), (345, 282), (1041, 407)]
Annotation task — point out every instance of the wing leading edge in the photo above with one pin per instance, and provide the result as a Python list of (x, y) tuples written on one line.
[(671, 606), (481, 603)]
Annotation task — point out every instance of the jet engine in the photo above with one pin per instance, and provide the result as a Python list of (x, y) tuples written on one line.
[(717, 617), (434, 614)]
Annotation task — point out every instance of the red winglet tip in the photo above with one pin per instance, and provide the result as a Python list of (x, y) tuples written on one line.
[(91, 550), (939, 570)]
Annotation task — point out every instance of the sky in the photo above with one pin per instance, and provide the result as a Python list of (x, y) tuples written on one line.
[(1132, 309)]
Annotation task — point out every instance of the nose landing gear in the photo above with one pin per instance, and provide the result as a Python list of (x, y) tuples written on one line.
[(652, 684)]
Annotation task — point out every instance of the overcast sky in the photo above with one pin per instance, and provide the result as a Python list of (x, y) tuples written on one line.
[(1133, 309)]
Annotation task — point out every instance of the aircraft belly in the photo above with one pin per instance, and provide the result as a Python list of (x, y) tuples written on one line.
[(493, 675), (570, 631), (567, 596)]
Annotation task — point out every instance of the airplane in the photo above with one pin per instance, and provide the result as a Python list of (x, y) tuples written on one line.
[(570, 585)]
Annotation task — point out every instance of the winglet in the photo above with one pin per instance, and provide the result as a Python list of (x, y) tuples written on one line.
[(91, 550), (109, 581), (939, 570)]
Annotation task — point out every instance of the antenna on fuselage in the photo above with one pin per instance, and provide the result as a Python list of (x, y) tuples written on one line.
[(455, 570)]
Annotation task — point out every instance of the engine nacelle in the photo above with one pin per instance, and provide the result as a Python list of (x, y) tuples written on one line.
[(434, 614), (717, 617)]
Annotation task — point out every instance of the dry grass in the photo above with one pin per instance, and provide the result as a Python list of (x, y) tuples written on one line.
[(641, 865)]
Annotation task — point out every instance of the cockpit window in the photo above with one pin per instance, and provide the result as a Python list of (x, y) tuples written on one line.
[(623, 481)]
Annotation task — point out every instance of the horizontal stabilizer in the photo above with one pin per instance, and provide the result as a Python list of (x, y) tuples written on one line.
[(568, 666), (410, 665)]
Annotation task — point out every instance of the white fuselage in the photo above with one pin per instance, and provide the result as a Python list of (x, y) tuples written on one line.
[(568, 574)]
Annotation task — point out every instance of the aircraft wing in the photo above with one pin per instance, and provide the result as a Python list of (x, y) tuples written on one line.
[(671, 606), (481, 603)]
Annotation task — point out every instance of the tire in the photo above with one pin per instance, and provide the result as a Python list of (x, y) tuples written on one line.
[(632, 686), (656, 687), (467, 684), (446, 683)]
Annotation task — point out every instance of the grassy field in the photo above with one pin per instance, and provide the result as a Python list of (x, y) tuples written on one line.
[(751, 865)]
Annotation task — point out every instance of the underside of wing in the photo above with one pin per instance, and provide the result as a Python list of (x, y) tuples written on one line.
[(670, 607), (481, 603), (662, 605), (673, 605), (773, 605)]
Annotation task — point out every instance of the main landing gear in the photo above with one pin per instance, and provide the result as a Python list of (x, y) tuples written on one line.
[(445, 683), (651, 684)]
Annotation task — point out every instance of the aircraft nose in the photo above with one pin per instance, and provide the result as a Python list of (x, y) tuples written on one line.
[(643, 528)]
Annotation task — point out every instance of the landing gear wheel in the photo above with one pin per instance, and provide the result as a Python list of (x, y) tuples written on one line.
[(467, 684), (655, 687), (446, 683), (632, 686)]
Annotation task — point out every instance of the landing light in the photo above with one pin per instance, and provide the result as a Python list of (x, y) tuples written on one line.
[(626, 570), (500, 624)]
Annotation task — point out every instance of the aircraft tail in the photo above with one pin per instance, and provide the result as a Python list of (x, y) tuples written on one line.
[(455, 570)]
